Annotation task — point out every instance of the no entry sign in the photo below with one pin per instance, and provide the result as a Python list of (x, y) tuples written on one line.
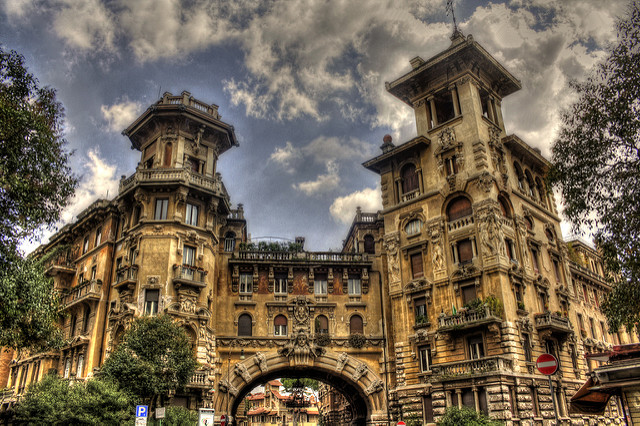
[(547, 364), (401, 423)]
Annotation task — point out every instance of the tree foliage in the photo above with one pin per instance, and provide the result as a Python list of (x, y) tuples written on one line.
[(36, 183), (596, 166), (154, 358), (455, 416), (55, 401), (176, 416), (289, 384)]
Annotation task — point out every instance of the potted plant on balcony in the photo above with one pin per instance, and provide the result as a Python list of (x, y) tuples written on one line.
[(421, 320), (357, 340), (521, 306)]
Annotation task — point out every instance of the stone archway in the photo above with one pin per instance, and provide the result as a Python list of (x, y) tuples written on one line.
[(353, 378)]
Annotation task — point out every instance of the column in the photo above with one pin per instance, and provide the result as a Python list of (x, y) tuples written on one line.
[(459, 397), (476, 400), (454, 99), (434, 117)]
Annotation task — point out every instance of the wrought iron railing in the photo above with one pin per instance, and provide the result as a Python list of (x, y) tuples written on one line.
[(83, 291), (473, 366)]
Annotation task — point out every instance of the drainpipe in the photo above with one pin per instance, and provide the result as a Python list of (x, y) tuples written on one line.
[(108, 282), (384, 347)]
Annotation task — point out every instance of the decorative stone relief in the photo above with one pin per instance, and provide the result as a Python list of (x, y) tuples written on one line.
[(446, 138), (300, 348), (241, 370), (226, 387), (341, 361), (375, 387), (261, 361), (391, 245), (484, 182), (360, 372)]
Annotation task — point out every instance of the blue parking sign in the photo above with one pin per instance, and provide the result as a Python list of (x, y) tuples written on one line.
[(142, 410)]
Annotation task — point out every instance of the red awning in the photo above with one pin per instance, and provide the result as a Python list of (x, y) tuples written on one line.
[(588, 401)]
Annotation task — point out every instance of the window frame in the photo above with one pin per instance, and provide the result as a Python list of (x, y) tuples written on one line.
[(151, 307), (161, 209), (425, 356), (354, 286), (191, 214)]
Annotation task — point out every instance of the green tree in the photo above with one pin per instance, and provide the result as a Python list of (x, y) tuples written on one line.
[(289, 384), (596, 166), (455, 416), (177, 416), (154, 358), (36, 183), (55, 401)]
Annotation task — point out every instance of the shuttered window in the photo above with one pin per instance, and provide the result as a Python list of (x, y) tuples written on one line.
[(245, 326), (465, 251), (355, 325), (459, 208), (322, 324), (280, 325), (416, 265), (409, 178)]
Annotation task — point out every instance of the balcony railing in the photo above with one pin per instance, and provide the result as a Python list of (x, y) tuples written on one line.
[(408, 196), (184, 176), (89, 290), (186, 99), (301, 256), (189, 275), (199, 380), (461, 223), (553, 322), (467, 319), (60, 264), (471, 367), (127, 275)]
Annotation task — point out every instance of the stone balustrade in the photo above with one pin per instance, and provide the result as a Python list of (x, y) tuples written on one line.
[(88, 290), (459, 224), (470, 367), (165, 176), (408, 196), (199, 379), (466, 319), (292, 256), (553, 322), (190, 274)]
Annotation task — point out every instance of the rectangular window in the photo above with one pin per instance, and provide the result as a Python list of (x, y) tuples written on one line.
[(81, 278), (280, 285), (416, 265), (425, 358), (595, 297), (427, 403), (420, 306), (465, 251), (604, 332), (133, 255), (162, 204), (320, 285), (556, 268), (443, 103), (574, 356), (468, 293), (98, 237), (476, 347), (534, 259), (451, 165), (189, 255), (354, 287), (93, 272), (191, 216), (85, 245), (508, 244), (151, 298), (585, 294), (526, 346), (246, 286), (593, 328)]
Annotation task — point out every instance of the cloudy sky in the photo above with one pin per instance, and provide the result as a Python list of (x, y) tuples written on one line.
[(302, 82)]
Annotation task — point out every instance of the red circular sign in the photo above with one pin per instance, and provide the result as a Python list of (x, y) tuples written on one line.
[(401, 423), (547, 364)]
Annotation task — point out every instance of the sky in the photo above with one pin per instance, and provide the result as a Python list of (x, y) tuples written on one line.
[(302, 82)]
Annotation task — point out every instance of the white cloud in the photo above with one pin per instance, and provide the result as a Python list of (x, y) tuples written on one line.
[(85, 24), (323, 183), (343, 208), (286, 157), (18, 8), (99, 181), (119, 116)]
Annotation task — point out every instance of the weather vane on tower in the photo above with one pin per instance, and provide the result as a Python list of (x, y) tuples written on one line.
[(449, 10)]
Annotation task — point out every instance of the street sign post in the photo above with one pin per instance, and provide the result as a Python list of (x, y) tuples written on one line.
[(206, 416), (548, 364), (142, 412), (223, 420)]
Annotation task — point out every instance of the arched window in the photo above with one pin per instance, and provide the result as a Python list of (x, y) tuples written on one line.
[(229, 241), (355, 325), (72, 326), (322, 325), (245, 325), (409, 178), (167, 155), (369, 244), (135, 216), (280, 325), (549, 235), (80, 366), (542, 192), (519, 175), (98, 239), (531, 186), (528, 222), (504, 207), (459, 208)]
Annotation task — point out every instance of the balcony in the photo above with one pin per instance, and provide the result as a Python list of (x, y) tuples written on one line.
[(460, 224), (553, 323), (127, 275), (301, 256), (408, 196), (472, 367), (168, 176), (189, 275), (467, 320), (62, 264), (199, 380), (87, 291)]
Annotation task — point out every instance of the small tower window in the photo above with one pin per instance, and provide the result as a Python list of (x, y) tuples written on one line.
[(369, 244), (245, 325), (355, 325), (409, 178), (229, 241)]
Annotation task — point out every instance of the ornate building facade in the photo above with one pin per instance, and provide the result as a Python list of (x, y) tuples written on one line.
[(443, 298)]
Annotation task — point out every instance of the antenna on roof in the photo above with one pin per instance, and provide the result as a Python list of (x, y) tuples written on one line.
[(449, 10)]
